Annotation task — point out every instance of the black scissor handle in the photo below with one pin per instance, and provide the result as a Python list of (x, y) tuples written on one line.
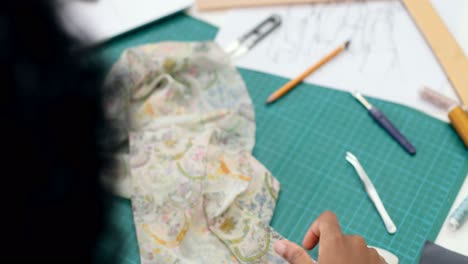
[(261, 30)]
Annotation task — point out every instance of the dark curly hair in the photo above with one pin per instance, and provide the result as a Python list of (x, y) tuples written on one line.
[(51, 118)]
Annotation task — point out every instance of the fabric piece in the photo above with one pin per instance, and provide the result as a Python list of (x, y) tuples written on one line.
[(198, 194), (434, 254)]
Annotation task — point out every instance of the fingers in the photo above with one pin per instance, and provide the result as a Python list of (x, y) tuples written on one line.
[(325, 226), (335, 247), (292, 253), (358, 241)]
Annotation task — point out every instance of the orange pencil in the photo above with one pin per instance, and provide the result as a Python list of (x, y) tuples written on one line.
[(292, 83)]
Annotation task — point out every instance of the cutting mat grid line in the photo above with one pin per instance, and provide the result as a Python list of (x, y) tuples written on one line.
[(379, 155), (302, 139)]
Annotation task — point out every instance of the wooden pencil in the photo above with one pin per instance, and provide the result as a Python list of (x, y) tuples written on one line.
[(292, 83)]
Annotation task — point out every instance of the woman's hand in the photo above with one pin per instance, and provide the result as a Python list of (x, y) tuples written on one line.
[(335, 247)]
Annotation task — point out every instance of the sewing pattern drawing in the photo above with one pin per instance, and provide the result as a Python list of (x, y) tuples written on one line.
[(388, 57), (314, 28)]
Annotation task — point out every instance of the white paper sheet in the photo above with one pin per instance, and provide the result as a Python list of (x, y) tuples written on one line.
[(98, 20), (215, 18), (388, 57), (463, 28)]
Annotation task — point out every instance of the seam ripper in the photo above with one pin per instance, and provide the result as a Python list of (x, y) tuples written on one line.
[(385, 123)]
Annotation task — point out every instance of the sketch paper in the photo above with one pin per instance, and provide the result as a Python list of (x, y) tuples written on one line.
[(388, 57), (97, 21)]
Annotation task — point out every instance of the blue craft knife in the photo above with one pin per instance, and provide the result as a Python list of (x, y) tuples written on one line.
[(385, 123)]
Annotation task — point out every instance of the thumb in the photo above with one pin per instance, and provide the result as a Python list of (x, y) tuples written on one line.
[(292, 253)]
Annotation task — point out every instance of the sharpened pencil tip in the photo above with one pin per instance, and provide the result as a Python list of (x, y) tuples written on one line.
[(346, 45)]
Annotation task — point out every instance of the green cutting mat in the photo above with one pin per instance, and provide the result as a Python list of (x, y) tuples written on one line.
[(303, 138)]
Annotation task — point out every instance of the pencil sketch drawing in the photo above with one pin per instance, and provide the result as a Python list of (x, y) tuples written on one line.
[(316, 28), (388, 57)]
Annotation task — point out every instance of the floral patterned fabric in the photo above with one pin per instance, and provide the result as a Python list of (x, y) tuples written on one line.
[(198, 194)]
